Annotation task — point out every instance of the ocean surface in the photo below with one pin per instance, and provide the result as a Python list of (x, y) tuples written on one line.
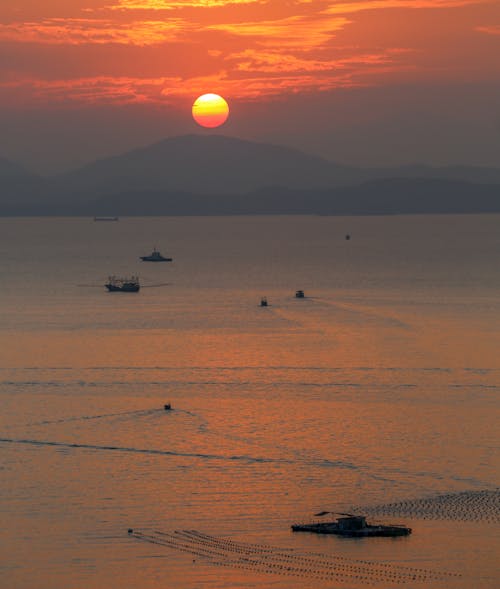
[(376, 393)]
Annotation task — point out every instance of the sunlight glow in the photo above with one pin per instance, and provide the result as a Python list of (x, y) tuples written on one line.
[(167, 51)]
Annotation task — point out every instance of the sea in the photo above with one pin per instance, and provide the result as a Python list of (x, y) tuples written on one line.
[(375, 394)]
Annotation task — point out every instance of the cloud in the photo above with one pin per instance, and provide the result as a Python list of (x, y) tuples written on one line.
[(277, 62), (99, 89), (173, 4), (258, 86), (489, 30), (77, 31), (331, 6), (363, 5), (295, 31), (129, 90), (132, 52)]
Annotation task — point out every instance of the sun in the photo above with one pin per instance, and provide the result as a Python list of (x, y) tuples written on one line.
[(210, 110)]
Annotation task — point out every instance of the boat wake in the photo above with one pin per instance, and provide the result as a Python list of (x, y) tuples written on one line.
[(140, 412), (242, 458)]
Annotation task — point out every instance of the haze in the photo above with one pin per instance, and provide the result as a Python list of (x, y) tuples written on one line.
[(385, 82)]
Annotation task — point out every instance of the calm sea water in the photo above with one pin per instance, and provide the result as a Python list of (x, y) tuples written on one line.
[(380, 386)]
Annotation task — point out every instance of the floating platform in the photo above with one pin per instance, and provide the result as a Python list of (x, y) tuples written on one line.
[(354, 526)]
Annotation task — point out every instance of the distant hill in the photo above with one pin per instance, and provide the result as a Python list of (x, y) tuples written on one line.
[(211, 164), (214, 174), (16, 183), (215, 164), (10, 170), (380, 197), (481, 175)]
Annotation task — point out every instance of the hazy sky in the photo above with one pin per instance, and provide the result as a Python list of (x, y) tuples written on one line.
[(358, 81)]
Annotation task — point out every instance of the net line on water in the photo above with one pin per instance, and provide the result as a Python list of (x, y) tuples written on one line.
[(265, 558)]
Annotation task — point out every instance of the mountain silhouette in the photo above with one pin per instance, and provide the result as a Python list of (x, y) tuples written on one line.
[(16, 183), (210, 164), (215, 174)]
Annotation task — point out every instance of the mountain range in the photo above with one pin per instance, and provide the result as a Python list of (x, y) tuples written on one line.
[(214, 174)]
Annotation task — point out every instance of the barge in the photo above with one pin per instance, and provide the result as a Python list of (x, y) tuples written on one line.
[(354, 526)]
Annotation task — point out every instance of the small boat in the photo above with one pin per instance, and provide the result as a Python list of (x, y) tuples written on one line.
[(116, 284), (155, 256), (299, 294), (106, 219), (354, 526), (263, 302), (167, 407)]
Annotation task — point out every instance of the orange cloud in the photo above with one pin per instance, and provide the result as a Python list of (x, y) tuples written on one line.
[(130, 52), (257, 87), (173, 4), (128, 90), (294, 31), (362, 5), (100, 89), (489, 30), (76, 31), (275, 62)]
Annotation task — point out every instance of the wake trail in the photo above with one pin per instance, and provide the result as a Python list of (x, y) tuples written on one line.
[(153, 451), (90, 417)]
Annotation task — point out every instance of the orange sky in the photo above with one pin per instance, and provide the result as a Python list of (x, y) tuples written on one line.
[(163, 51), (161, 54)]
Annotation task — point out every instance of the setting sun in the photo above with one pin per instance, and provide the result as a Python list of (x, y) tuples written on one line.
[(210, 110)]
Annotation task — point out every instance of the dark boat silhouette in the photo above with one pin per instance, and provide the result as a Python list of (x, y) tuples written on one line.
[(299, 294), (155, 256), (116, 284), (354, 526)]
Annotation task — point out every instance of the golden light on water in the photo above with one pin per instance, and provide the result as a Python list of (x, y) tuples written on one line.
[(210, 110)]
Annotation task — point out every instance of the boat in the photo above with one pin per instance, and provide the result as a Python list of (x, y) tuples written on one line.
[(263, 302), (155, 256), (299, 294), (116, 284), (354, 526), (106, 219)]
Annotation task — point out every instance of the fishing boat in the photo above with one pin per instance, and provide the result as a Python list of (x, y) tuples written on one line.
[(116, 284), (299, 294), (155, 256), (354, 526), (106, 219)]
